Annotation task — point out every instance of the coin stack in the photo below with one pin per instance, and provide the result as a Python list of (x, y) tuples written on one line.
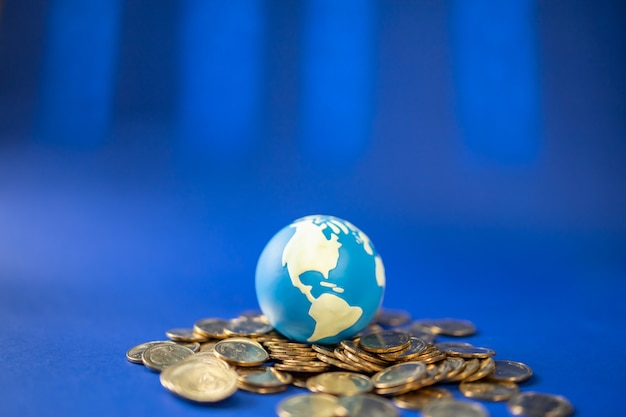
[(394, 363)]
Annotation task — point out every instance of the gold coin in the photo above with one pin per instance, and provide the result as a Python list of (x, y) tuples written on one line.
[(310, 405), (369, 367), (199, 381), (366, 405), (469, 352), (489, 391), (539, 405), (339, 353), (511, 371), (324, 350), (456, 367), (161, 356), (287, 345), (300, 368), (264, 376), (431, 357), (451, 327), (416, 400), (439, 371), (385, 341), (337, 363), (241, 351), (399, 374), (253, 315), (260, 390), (401, 389), (134, 354), (434, 373), (294, 352), (392, 318), (300, 378), (486, 368), (372, 328), (297, 353), (284, 357), (415, 348), (194, 346), (208, 357), (469, 367), (185, 335), (447, 407), (444, 345), (419, 330), (247, 327), (208, 346), (211, 328), (304, 363), (353, 347), (340, 383), (272, 336)]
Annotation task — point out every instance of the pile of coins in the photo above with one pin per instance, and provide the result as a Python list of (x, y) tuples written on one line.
[(394, 363)]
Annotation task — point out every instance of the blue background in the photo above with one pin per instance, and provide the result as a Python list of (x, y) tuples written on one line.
[(150, 149)]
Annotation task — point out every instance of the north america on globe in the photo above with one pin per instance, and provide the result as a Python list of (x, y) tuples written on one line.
[(338, 276)]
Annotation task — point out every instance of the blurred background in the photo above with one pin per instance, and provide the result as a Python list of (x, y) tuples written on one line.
[(150, 149), (164, 139)]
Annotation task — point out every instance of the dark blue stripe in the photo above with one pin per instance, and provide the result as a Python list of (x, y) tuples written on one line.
[(79, 71)]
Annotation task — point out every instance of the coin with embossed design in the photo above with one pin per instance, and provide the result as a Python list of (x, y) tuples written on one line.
[(159, 357), (536, 404), (247, 327), (241, 351), (385, 341), (134, 354), (399, 374), (211, 328), (511, 371), (415, 348), (199, 381), (264, 376), (489, 390)]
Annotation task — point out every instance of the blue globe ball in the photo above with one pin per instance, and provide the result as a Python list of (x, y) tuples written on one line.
[(320, 280)]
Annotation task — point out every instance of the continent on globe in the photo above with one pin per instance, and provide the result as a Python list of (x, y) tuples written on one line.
[(344, 258)]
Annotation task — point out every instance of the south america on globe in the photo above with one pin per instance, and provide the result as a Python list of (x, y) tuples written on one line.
[(320, 280)]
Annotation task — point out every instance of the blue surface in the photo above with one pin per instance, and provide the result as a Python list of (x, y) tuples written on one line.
[(93, 264)]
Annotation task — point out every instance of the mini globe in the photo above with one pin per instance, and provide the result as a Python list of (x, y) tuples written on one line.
[(320, 280)]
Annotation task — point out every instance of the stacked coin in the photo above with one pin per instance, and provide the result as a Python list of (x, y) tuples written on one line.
[(399, 360), (294, 357)]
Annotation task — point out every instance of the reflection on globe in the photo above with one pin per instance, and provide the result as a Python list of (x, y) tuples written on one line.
[(320, 280)]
